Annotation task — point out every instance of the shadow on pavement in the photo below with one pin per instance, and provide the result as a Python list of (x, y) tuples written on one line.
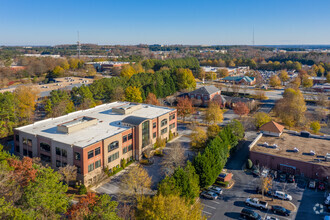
[(233, 215), (239, 203), (239, 157)]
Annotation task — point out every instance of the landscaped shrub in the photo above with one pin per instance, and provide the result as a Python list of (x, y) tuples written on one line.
[(249, 164), (82, 189), (123, 163)]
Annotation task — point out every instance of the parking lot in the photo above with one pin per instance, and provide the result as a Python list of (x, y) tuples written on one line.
[(232, 201)]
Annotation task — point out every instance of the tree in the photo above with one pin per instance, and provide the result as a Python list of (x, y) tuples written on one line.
[(152, 99), (291, 108), (82, 189), (274, 81), (261, 118), (185, 79), (184, 107), (118, 94), (237, 128), (265, 184), (328, 77), (26, 97), (167, 207), (173, 158), (90, 70), (284, 76), (198, 137), (213, 113), (222, 73), (315, 126), (58, 72), (241, 109), (213, 130), (160, 143), (133, 94), (295, 83), (127, 71), (23, 170), (307, 82), (136, 182), (68, 173), (45, 197)]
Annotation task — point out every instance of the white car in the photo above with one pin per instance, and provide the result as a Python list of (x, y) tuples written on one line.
[(282, 195), (264, 173), (209, 195)]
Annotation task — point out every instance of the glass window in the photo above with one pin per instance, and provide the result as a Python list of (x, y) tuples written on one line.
[(30, 153), (154, 135), (164, 131), (17, 148), (124, 138), (76, 155), (78, 169), (154, 125), (29, 142), (145, 134), (97, 151), (130, 147), (58, 163), (90, 154), (45, 147), (172, 126), (58, 151), (17, 137), (206, 98), (64, 153), (130, 136), (97, 164), (91, 167), (24, 152), (124, 150), (114, 145), (45, 158), (172, 117), (164, 122), (113, 157)]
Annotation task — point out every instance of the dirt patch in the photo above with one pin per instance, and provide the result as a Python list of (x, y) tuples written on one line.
[(272, 201)]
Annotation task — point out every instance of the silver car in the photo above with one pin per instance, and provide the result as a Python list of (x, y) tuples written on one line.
[(216, 190), (209, 195)]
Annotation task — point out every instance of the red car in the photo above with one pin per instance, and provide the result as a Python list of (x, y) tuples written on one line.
[(321, 186)]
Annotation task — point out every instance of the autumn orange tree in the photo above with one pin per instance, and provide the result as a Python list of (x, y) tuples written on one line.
[(23, 172), (184, 107), (152, 99), (241, 109)]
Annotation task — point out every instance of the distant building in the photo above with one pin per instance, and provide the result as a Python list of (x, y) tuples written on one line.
[(106, 65), (272, 129), (322, 88), (242, 80), (96, 138), (318, 80), (42, 55), (205, 94)]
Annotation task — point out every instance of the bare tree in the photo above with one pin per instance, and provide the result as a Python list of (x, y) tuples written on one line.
[(235, 89), (174, 157), (68, 173), (135, 183), (126, 211)]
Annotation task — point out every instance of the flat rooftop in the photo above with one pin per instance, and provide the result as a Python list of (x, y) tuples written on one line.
[(108, 123), (287, 142)]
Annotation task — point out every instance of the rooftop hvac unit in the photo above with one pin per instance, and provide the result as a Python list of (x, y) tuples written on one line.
[(327, 157)]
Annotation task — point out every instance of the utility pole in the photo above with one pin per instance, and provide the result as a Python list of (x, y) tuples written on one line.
[(78, 46)]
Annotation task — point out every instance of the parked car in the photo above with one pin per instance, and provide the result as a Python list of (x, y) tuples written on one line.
[(259, 191), (282, 195), (291, 179), (280, 210), (271, 218), (256, 172), (209, 195), (264, 173), (321, 186), (282, 177), (249, 214), (254, 202), (217, 190), (273, 174), (312, 184)]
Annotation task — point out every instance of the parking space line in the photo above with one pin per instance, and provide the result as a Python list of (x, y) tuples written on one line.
[(215, 202), (210, 206), (207, 212)]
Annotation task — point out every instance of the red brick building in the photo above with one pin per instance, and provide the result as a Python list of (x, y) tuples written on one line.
[(96, 138)]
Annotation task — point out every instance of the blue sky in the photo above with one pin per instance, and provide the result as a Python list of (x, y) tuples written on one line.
[(207, 22)]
